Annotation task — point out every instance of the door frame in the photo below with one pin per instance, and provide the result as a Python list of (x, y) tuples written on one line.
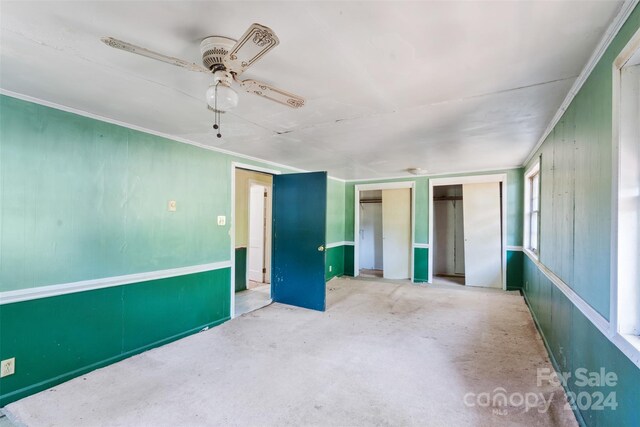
[(232, 228), (411, 185), (472, 179)]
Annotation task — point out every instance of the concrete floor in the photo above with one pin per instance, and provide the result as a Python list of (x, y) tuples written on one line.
[(252, 299), (382, 354), (370, 273), (448, 280)]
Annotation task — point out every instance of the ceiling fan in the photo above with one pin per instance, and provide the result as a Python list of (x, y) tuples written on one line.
[(226, 59)]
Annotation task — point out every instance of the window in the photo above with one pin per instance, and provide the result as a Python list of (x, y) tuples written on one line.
[(627, 296), (532, 209)]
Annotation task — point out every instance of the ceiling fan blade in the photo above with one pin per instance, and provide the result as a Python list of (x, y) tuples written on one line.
[(253, 45), (272, 93), (128, 47)]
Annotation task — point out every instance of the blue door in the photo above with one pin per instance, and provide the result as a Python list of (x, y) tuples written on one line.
[(299, 230)]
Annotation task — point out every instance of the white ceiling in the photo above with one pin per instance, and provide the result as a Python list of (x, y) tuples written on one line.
[(443, 86)]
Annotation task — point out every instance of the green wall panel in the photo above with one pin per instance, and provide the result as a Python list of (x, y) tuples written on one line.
[(420, 265), (55, 339), (335, 260), (335, 211), (348, 260), (514, 269), (574, 342), (83, 199), (241, 269), (576, 178), (348, 212), (575, 240)]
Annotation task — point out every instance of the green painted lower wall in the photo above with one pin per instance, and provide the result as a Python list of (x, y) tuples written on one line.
[(420, 265), (334, 262), (574, 342), (58, 338), (241, 269), (514, 269), (348, 260)]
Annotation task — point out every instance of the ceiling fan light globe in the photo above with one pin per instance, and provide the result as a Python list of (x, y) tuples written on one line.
[(222, 99)]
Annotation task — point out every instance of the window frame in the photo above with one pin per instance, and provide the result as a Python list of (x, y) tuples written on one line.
[(624, 317), (529, 179)]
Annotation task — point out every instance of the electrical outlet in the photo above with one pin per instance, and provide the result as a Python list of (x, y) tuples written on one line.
[(330, 268), (222, 220), (173, 206), (8, 367)]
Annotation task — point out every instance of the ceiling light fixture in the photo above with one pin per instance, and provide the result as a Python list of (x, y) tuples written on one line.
[(221, 97), (417, 171)]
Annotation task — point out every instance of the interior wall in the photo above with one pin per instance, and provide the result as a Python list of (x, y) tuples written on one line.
[(514, 213), (575, 239), (336, 247), (87, 201)]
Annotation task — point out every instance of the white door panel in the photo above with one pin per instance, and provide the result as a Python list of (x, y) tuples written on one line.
[(256, 233), (396, 233), (482, 235)]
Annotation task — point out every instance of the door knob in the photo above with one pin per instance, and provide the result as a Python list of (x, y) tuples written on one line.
[(321, 248)]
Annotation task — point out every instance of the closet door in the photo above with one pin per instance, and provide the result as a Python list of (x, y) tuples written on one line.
[(396, 233), (482, 235)]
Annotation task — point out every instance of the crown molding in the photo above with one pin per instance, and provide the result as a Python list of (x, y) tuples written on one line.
[(607, 38)]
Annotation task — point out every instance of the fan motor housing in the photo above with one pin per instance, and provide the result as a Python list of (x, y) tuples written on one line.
[(214, 49)]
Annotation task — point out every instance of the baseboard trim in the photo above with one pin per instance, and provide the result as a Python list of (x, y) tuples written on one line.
[(9, 297), (46, 384)]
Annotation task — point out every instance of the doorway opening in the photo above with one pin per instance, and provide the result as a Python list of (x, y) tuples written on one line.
[(371, 233), (384, 218), (448, 224), (253, 244), (467, 231)]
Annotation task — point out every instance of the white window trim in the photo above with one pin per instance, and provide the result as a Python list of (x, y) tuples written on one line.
[(629, 344), (526, 244)]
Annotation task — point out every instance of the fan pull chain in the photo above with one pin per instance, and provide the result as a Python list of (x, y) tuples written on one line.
[(216, 113)]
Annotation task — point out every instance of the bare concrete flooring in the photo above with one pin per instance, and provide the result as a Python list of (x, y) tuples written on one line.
[(383, 353), (252, 299)]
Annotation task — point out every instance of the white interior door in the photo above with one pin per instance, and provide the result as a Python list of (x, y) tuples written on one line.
[(256, 232), (396, 233), (371, 236), (482, 235), (267, 234)]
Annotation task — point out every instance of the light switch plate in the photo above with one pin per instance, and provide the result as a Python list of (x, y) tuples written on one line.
[(172, 206), (222, 220)]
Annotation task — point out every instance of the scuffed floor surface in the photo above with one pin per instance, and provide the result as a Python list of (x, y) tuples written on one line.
[(382, 354)]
